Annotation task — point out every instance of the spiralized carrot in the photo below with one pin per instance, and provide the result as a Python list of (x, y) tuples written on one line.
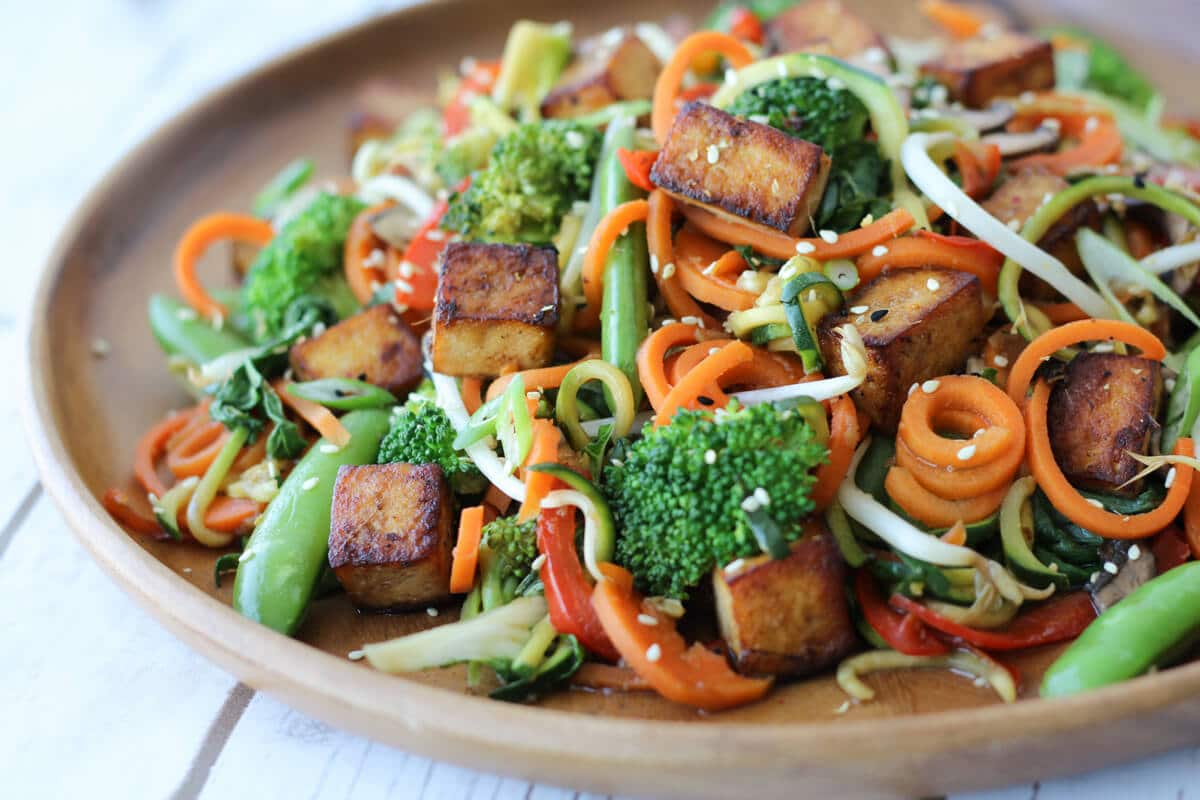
[(361, 243), (316, 415), (651, 358), (979, 166), (662, 249), (666, 88), (844, 436), (231, 514), (1099, 142), (687, 393), (607, 231), (1074, 506), (203, 233), (951, 252), (151, 447), (1061, 313), (119, 506), (1191, 519), (546, 439), (540, 378), (941, 481), (1087, 330), (194, 453), (776, 244), (472, 394), (694, 252), (765, 370)]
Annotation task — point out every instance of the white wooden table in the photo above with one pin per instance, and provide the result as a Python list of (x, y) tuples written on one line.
[(95, 699)]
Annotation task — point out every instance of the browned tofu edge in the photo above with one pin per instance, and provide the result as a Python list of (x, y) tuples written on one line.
[(602, 74), (392, 358), (974, 77)]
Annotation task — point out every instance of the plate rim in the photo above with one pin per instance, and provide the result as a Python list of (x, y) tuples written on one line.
[(414, 709)]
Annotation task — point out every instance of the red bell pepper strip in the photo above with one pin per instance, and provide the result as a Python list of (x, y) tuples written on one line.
[(1056, 620), (456, 117), (1170, 548), (700, 91), (637, 165), (905, 633), (416, 272), (568, 590), (745, 25)]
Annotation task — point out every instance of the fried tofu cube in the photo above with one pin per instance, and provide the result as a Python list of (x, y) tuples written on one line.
[(608, 68), (497, 307), (825, 26), (390, 535), (787, 616), (1107, 404), (1023, 194), (978, 70), (916, 324), (734, 167), (375, 345)]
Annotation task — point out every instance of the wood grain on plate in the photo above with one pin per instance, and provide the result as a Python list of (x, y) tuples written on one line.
[(927, 732)]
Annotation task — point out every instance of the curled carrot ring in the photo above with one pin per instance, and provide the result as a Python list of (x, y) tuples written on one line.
[(152, 445), (192, 455), (765, 370), (844, 435), (203, 233), (607, 231), (951, 252), (1085, 330), (662, 249), (941, 481), (694, 253), (687, 393), (652, 356), (1066, 499), (935, 511), (666, 88)]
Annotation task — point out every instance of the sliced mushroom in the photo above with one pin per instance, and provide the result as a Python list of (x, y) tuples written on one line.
[(991, 118), (1134, 567), (1042, 137)]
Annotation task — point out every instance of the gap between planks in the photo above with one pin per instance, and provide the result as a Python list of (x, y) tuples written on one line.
[(19, 516)]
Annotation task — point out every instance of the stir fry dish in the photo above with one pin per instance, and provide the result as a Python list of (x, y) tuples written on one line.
[(691, 362)]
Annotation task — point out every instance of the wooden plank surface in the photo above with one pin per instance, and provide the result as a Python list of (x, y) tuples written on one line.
[(97, 699)]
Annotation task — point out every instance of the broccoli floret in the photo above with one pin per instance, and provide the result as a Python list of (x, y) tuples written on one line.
[(421, 433), (305, 258), (533, 177), (680, 510), (514, 545), (464, 154), (810, 109)]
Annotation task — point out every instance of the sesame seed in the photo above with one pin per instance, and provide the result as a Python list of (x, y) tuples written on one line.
[(647, 619), (1000, 361), (829, 236), (330, 447), (310, 484), (668, 321), (912, 389), (710, 457), (699, 323), (374, 259), (435, 235), (929, 387), (760, 494), (843, 708), (966, 453), (859, 309), (751, 504), (541, 559), (1047, 197), (1094, 502), (878, 314), (867, 220), (804, 248), (933, 284), (653, 653), (654, 263), (774, 186), (404, 286), (873, 55), (710, 269), (979, 433), (407, 269), (879, 251), (187, 314), (1135, 553), (712, 351), (431, 611), (1110, 568), (1169, 479), (574, 139), (713, 154), (356, 655), (101, 347), (668, 271), (1094, 577)]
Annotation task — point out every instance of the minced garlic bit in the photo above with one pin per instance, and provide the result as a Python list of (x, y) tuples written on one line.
[(932, 284), (101, 347), (931, 386), (310, 484)]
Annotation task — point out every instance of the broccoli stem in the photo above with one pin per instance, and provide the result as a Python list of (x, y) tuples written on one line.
[(624, 318)]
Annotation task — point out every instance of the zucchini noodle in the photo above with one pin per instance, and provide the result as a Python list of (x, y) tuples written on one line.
[(396, 187), (566, 409), (569, 497), (1170, 258), (166, 508), (450, 399), (973, 664), (207, 488)]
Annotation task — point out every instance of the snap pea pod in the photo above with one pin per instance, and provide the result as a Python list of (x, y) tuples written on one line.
[(1149, 628), (283, 560), (181, 332), (624, 315)]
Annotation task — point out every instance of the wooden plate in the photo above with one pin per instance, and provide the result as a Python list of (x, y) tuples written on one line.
[(927, 733)]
